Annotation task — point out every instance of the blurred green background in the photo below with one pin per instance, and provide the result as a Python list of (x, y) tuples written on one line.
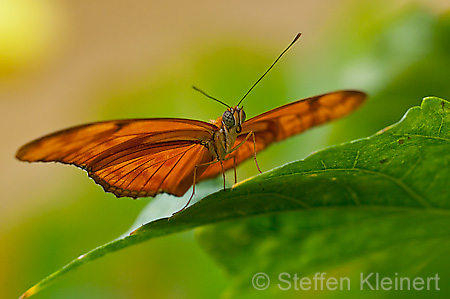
[(64, 63)]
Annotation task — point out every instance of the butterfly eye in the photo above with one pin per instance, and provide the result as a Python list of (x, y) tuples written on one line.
[(228, 118)]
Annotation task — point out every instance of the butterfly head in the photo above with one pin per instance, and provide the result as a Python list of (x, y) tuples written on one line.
[(234, 117)]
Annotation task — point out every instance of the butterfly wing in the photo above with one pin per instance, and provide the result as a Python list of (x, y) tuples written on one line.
[(285, 121), (134, 158)]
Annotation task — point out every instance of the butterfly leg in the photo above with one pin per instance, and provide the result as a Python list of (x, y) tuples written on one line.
[(223, 174), (254, 147), (193, 187), (234, 167), (193, 184), (254, 151)]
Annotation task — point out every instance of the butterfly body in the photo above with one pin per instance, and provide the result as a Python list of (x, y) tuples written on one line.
[(229, 125)]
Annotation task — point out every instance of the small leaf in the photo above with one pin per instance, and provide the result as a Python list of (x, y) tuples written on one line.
[(376, 196)]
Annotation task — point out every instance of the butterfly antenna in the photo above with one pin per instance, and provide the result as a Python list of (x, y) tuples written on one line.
[(207, 95), (295, 39)]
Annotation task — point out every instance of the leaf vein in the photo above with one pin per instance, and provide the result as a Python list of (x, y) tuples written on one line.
[(418, 198)]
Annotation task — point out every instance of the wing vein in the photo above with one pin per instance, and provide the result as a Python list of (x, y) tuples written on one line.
[(176, 163)]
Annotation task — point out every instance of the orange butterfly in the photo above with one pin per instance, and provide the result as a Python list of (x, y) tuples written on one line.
[(145, 157)]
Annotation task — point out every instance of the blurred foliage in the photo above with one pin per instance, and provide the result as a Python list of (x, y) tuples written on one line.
[(397, 56), (28, 33)]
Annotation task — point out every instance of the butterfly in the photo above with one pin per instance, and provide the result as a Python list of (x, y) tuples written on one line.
[(145, 157)]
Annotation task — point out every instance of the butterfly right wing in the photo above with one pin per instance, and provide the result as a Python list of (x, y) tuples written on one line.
[(134, 158), (288, 120)]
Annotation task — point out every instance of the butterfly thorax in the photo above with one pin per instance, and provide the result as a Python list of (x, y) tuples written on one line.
[(230, 125)]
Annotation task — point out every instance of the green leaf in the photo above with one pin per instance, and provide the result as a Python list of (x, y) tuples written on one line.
[(379, 204), (374, 200)]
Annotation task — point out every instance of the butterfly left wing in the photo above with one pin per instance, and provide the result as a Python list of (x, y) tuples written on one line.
[(285, 121), (134, 158)]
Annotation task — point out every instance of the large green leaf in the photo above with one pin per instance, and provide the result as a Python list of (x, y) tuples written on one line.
[(377, 205), (373, 200)]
